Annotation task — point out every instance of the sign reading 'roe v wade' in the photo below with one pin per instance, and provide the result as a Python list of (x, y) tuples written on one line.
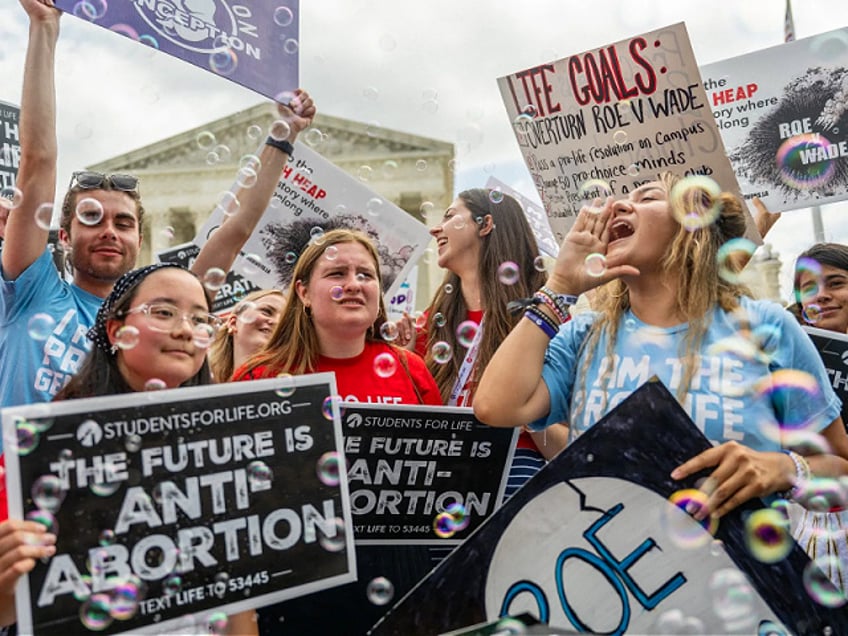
[(312, 197), (784, 120), (592, 543), (254, 44), (178, 503), (608, 120)]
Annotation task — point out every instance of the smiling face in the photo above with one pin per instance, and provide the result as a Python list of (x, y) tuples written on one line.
[(171, 357), (824, 297), (342, 294), (642, 228), (102, 252), (252, 323), (458, 238)]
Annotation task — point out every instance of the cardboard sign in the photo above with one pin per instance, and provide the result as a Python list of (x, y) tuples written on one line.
[(605, 121), (536, 217), (314, 196), (833, 348), (782, 116), (254, 44), (591, 542), (231, 292), (10, 144), (208, 498), (406, 465)]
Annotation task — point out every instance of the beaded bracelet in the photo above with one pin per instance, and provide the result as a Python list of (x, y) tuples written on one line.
[(562, 302), (544, 299), (802, 475), (542, 321)]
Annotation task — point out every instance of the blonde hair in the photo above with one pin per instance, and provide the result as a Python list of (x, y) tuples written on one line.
[(693, 259), (293, 346), (221, 351)]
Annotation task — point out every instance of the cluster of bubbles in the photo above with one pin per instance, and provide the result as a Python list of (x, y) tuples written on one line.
[(451, 520), (768, 539)]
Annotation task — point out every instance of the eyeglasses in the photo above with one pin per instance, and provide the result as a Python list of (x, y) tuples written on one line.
[(164, 317), (88, 180)]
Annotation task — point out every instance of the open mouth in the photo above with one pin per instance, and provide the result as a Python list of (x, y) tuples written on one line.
[(620, 230)]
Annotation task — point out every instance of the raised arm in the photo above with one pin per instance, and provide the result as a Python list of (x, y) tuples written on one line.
[(512, 391), (224, 245), (25, 239)]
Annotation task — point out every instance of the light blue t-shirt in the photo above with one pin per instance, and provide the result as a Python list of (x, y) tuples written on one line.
[(35, 369), (733, 394)]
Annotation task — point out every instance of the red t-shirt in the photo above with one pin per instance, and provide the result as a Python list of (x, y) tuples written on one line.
[(356, 379)]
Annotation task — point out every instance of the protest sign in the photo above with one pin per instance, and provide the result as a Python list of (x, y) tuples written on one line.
[(610, 119), (403, 300), (591, 542), (407, 466), (536, 217), (233, 289), (254, 44), (783, 118), (179, 503), (833, 349), (313, 197), (10, 144), (408, 463)]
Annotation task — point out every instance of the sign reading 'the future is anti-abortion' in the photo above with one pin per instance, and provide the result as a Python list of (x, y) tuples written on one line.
[(203, 499)]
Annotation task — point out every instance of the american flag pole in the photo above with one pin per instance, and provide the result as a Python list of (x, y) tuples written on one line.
[(788, 24)]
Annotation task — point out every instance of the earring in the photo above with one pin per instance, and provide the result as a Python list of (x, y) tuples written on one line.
[(113, 349)]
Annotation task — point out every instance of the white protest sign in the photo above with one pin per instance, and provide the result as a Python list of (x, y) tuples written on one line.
[(783, 115), (605, 121), (312, 197)]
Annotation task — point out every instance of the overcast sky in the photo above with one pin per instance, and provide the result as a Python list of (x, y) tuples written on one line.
[(427, 68)]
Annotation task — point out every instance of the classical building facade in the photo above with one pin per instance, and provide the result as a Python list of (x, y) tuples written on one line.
[(182, 176)]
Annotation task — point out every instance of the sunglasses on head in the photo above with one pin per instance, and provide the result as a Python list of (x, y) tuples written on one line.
[(88, 180)]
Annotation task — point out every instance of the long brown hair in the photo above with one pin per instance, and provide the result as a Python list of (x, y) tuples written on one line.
[(293, 346), (511, 239), (693, 257)]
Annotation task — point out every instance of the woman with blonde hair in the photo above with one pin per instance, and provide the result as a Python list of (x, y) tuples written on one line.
[(246, 331), (664, 309)]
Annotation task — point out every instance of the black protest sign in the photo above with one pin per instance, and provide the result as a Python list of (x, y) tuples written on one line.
[(591, 543), (10, 144), (178, 502), (229, 290), (833, 348), (407, 465)]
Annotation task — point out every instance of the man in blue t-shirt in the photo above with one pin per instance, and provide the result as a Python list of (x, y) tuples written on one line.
[(43, 318)]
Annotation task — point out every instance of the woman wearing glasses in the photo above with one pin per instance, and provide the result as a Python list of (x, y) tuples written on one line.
[(151, 332)]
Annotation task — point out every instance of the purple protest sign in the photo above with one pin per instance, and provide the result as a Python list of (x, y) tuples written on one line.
[(254, 44)]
